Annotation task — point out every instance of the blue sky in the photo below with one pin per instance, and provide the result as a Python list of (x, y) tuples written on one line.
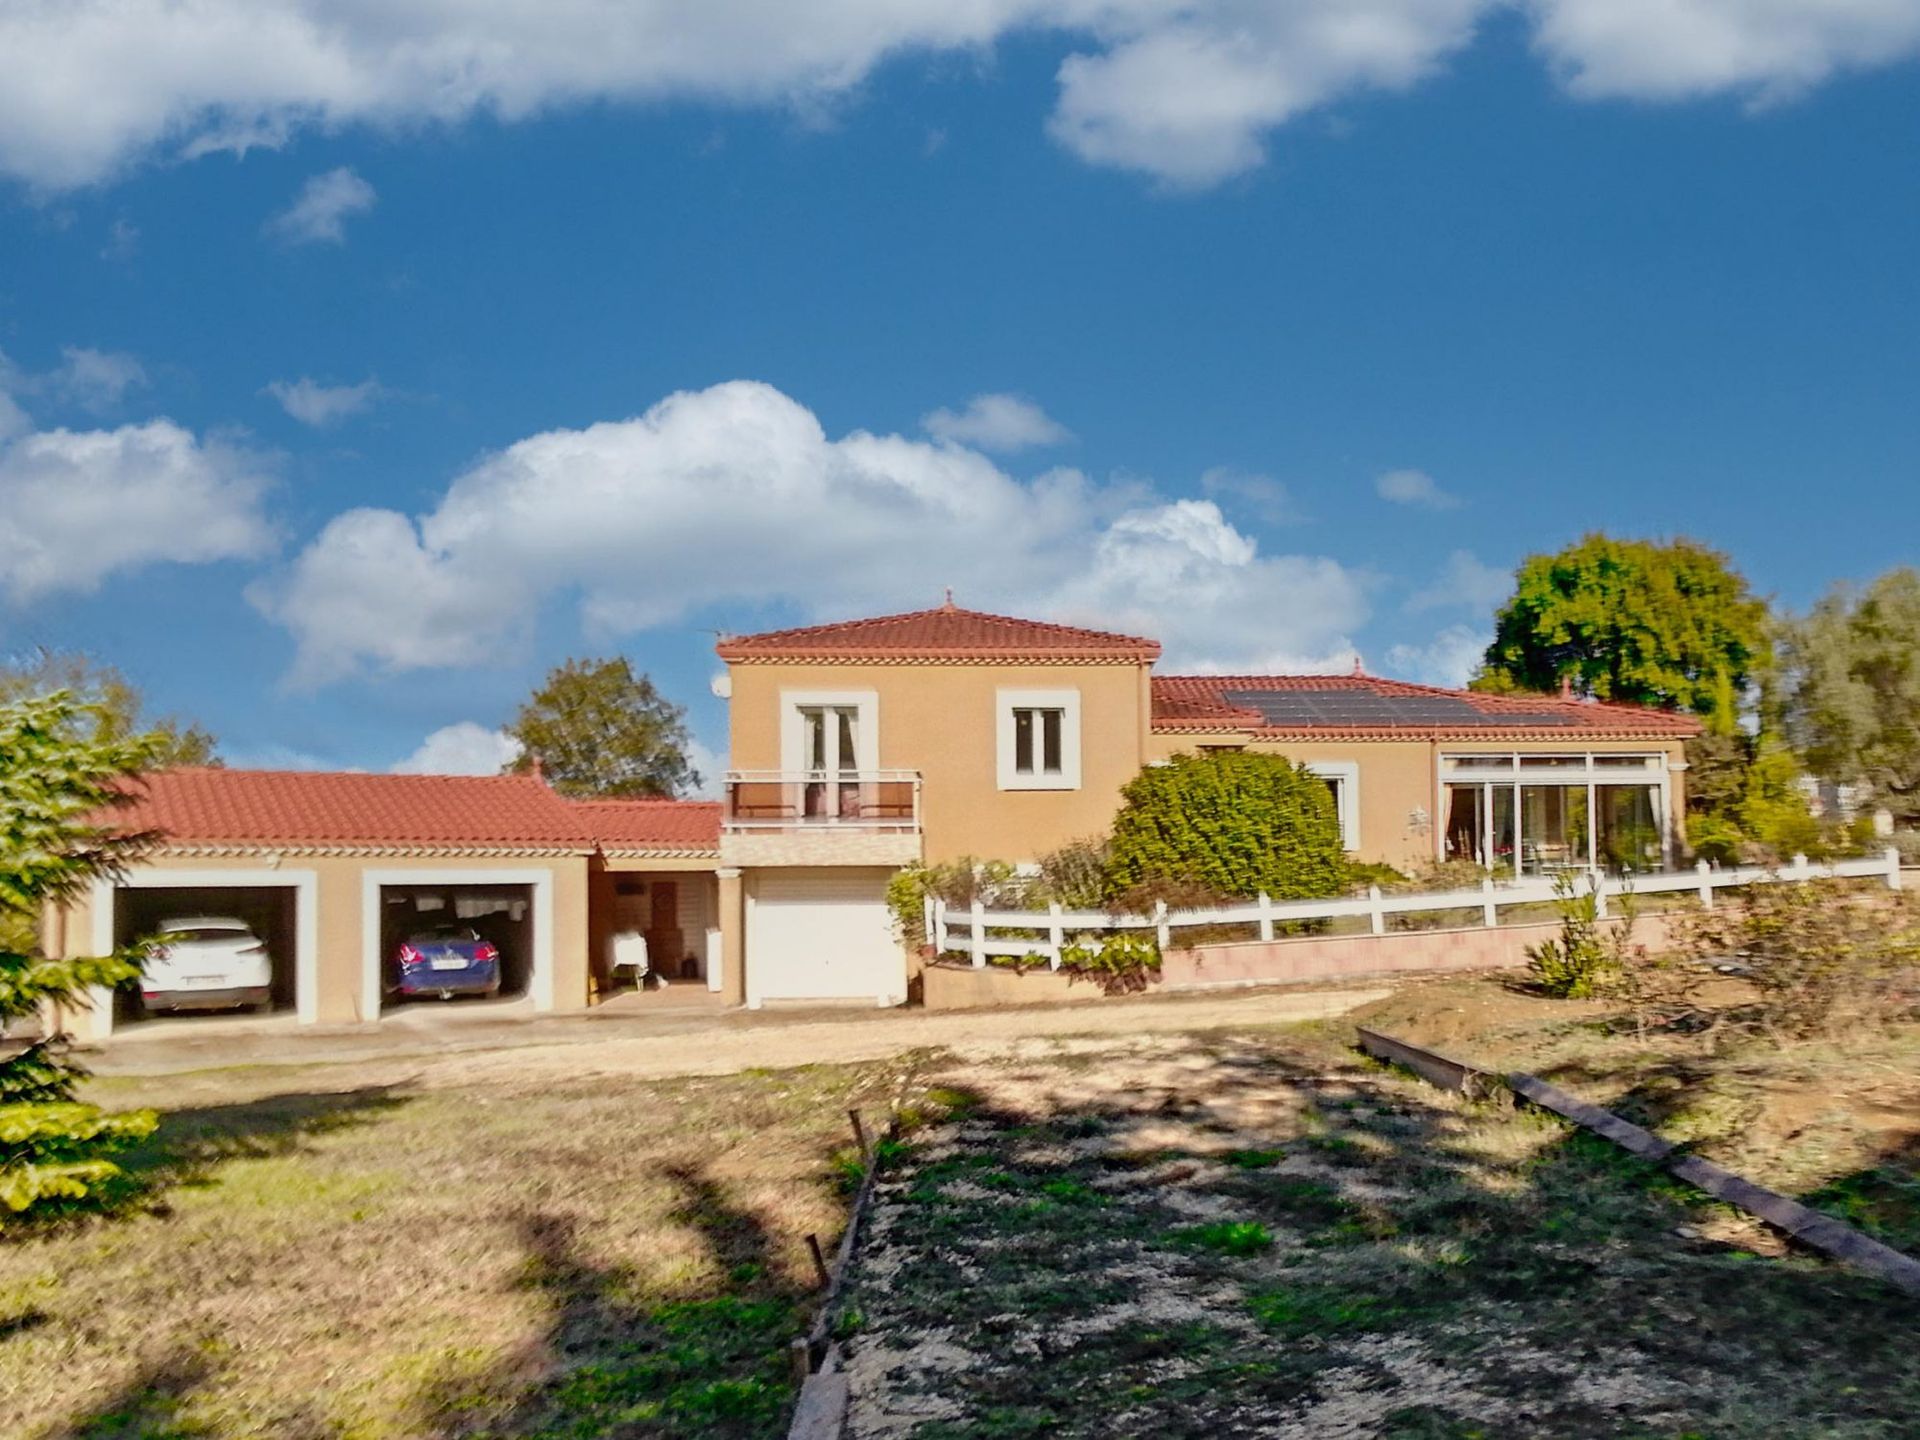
[(339, 393)]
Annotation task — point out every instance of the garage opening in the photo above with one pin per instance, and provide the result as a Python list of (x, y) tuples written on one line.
[(440, 924), (215, 968)]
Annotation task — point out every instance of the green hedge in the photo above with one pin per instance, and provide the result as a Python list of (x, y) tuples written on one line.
[(1233, 822)]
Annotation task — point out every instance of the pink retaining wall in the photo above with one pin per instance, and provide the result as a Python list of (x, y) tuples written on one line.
[(1340, 957)]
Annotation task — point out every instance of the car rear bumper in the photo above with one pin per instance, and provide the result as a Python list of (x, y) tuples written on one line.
[(449, 982), (224, 999)]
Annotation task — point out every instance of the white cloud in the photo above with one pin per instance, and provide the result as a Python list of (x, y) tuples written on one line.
[(711, 766), (1768, 50), (1184, 90), (1000, 423), (734, 496), (95, 379), (464, 748), (123, 240), (1264, 496), (1188, 93), (320, 212), (1415, 487), (1450, 658), (312, 403), (1464, 581), (78, 506)]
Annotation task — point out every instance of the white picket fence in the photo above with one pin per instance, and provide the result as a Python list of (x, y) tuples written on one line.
[(970, 929)]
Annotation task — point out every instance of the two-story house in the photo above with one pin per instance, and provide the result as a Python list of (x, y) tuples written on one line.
[(946, 733), (859, 748)]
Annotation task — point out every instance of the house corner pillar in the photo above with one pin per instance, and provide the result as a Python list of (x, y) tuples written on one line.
[(733, 937)]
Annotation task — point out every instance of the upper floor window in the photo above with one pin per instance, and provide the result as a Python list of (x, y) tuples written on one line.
[(1039, 739)]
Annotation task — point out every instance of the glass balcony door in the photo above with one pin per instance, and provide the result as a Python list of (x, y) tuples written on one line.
[(829, 736)]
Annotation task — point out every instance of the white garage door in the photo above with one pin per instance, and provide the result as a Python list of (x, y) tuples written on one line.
[(823, 935)]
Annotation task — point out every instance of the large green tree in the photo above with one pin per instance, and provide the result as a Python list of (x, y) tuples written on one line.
[(1230, 823), (1670, 624), (597, 728), (60, 774), (1851, 689), (113, 706)]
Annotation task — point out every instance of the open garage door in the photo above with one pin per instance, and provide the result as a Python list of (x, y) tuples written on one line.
[(823, 935), (425, 916), (266, 914)]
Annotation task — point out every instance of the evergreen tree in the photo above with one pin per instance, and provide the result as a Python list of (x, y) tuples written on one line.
[(60, 774)]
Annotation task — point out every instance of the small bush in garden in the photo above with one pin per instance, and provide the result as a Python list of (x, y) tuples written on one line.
[(1825, 957), (1123, 962), (1232, 822), (1590, 955), (958, 882)]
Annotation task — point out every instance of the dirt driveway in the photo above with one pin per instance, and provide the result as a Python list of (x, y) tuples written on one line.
[(698, 1043)]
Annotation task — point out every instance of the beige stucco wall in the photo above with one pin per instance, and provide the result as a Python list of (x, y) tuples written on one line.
[(942, 720), (340, 953)]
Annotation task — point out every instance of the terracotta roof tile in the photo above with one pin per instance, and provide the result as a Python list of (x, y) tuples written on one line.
[(313, 808), (1199, 703), (653, 824), (943, 633)]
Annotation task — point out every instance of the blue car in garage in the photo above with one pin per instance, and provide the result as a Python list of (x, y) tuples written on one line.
[(446, 961)]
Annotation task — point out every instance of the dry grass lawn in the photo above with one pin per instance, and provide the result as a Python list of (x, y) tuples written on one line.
[(1263, 1235), (519, 1258), (1833, 1122)]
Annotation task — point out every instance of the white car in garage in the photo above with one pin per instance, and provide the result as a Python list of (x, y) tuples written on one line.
[(207, 962)]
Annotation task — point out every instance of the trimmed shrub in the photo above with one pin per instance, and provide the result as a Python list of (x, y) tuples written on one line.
[(1231, 822)]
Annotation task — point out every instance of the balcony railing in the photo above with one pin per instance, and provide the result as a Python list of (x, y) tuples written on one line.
[(874, 801)]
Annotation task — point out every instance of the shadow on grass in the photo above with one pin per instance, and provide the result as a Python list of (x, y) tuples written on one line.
[(147, 1406), (1882, 1199), (192, 1145), (1408, 1241), (618, 1359)]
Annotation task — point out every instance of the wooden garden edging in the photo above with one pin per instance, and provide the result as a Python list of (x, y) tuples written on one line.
[(1810, 1227), (821, 1412)]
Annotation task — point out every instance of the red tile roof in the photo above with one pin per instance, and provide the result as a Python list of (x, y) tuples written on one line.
[(944, 633), (1198, 704), (297, 808), (626, 825)]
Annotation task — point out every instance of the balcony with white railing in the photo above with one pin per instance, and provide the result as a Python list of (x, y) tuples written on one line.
[(821, 817)]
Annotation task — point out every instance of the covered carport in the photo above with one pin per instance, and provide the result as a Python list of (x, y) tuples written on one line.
[(279, 905)]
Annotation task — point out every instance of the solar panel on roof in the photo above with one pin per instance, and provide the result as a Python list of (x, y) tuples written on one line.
[(1308, 709)]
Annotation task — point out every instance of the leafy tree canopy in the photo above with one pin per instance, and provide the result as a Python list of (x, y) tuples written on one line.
[(1234, 823), (111, 706), (597, 728), (1852, 689), (1670, 624), (60, 772)]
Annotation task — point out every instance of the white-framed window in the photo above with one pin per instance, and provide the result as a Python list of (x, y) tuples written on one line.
[(1343, 779), (829, 731), (1039, 739)]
